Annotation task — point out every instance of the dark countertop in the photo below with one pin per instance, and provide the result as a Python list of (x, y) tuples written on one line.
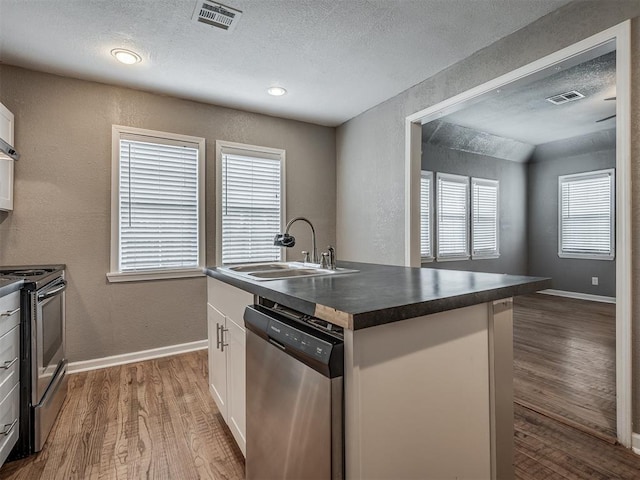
[(380, 294), (9, 285)]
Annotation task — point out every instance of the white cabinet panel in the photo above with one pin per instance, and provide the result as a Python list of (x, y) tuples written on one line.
[(6, 164), (227, 376), (236, 382), (6, 124), (217, 360)]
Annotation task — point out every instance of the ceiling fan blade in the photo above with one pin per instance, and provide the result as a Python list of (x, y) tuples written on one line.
[(606, 118), (610, 98)]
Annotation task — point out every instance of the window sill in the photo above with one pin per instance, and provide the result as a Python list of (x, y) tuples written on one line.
[(115, 277), (586, 256), (453, 259), (485, 257)]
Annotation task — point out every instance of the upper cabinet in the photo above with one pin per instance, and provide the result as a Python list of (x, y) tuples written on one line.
[(6, 163)]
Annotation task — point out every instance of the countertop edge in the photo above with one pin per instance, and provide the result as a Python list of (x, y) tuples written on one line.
[(14, 286), (357, 321), (404, 312)]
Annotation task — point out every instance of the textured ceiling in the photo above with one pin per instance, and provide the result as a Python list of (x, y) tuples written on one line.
[(336, 58), (511, 122), (522, 113)]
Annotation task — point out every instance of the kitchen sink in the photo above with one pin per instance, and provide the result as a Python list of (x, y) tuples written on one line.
[(262, 267), (282, 270)]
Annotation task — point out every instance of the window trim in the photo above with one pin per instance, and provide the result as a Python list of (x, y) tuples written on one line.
[(611, 173), (115, 275), (496, 253), (457, 179), (429, 176), (223, 147)]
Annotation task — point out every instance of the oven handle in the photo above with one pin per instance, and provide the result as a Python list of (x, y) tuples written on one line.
[(53, 292)]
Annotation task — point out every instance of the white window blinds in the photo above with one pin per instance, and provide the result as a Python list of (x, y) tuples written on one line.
[(251, 207), (158, 205), (484, 218), (453, 216), (586, 216), (426, 187)]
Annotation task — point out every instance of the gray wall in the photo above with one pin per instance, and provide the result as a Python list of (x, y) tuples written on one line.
[(576, 155), (513, 205), (62, 200), (370, 147)]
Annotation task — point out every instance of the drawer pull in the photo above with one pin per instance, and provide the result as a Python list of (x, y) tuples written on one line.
[(8, 314), (8, 364), (7, 431)]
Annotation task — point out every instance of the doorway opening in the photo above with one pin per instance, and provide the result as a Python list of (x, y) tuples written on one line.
[(504, 120)]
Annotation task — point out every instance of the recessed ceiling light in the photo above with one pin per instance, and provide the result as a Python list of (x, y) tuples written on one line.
[(126, 56), (276, 91)]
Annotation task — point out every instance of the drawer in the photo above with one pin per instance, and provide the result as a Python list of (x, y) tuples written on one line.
[(9, 352), (9, 312), (228, 300), (9, 422)]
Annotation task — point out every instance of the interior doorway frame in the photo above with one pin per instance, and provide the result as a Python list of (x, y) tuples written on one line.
[(621, 34)]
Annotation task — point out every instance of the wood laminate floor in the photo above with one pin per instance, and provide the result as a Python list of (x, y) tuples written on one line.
[(156, 420), (565, 360), (150, 420)]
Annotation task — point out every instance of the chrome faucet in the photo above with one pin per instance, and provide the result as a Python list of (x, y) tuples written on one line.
[(286, 240), (332, 257)]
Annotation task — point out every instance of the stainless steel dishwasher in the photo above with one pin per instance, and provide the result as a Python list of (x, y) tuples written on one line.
[(295, 366)]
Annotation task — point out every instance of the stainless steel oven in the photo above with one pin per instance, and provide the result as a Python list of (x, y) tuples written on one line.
[(43, 362), (48, 361)]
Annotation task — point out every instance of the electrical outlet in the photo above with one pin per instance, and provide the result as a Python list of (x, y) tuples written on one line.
[(594, 280)]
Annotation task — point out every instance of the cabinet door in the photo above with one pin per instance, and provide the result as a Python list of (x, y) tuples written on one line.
[(6, 184), (217, 361), (6, 165), (6, 125), (236, 375)]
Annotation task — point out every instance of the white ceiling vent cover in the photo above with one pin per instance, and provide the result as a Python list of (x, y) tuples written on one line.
[(565, 97), (216, 15)]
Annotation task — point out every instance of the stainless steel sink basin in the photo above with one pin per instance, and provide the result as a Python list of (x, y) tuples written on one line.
[(255, 267), (282, 270)]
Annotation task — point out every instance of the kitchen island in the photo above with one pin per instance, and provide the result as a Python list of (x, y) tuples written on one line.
[(428, 364)]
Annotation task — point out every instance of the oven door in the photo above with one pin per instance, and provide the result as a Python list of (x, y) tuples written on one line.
[(47, 336)]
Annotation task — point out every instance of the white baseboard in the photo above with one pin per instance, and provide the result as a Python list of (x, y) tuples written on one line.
[(579, 296), (112, 361), (635, 443)]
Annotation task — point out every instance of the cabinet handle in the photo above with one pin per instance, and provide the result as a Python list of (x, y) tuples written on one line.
[(8, 314), (222, 344), (7, 431), (218, 341), (8, 364)]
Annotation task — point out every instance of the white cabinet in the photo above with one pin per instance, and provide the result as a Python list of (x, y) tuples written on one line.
[(6, 164), (227, 377), (9, 372)]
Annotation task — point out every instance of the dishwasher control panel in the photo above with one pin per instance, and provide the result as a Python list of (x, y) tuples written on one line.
[(322, 350), (295, 338)]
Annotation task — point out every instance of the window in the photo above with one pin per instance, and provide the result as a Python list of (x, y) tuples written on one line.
[(426, 214), (250, 204), (452, 217), (157, 211), (484, 218), (586, 217)]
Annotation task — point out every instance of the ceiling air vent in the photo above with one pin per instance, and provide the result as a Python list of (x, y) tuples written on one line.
[(216, 15), (565, 97)]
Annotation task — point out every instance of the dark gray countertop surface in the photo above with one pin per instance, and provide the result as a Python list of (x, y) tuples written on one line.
[(379, 294), (8, 286)]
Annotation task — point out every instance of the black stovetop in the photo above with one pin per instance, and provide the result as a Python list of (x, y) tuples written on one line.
[(34, 276)]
